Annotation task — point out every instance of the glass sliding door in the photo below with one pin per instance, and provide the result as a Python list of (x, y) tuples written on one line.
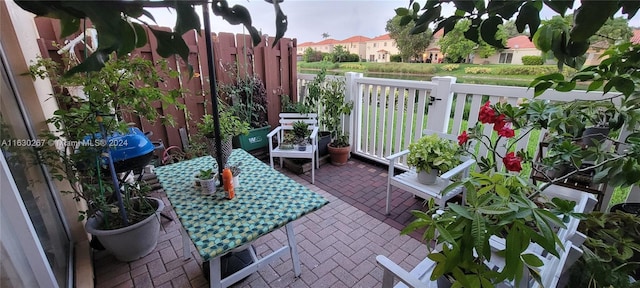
[(36, 201)]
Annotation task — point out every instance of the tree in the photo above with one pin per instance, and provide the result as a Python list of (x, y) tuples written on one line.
[(325, 35), (410, 46), (340, 54), (614, 30), (311, 55), (567, 44), (511, 30), (456, 47)]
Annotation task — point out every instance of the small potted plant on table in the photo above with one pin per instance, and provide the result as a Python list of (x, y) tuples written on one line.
[(431, 155), (207, 181)]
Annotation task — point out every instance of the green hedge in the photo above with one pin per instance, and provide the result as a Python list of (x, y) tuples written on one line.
[(532, 60), (415, 68), (395, 58), (478, 70), (450, 67)]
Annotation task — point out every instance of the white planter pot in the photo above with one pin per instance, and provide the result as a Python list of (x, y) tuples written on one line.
[(428, 178), (208, 187), (131, 242), (236, 181)]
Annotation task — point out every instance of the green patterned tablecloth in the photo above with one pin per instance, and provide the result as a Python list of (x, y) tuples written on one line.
[(266, 200)]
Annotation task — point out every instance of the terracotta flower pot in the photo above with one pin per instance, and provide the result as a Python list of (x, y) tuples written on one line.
[(339, 155)]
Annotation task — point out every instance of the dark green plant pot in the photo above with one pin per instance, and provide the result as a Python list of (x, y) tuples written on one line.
[(255, 139), (324, 138)]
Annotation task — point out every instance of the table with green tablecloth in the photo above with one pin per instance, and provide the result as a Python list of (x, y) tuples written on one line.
[(264, 201)]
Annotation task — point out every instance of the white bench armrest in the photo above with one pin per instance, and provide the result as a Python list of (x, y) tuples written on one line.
[(456, 170), (393, 157), (274, 131), (314, 133), (392, 269)]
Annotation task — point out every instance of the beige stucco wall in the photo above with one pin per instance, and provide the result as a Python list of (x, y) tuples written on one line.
[(516, 60), (18, 35), (376, 45)]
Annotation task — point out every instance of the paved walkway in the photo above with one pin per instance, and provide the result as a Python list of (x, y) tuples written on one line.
[(337, 244)]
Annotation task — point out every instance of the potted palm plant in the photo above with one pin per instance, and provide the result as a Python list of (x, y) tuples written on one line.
[(335, 107), (431, 155), (121, 216)]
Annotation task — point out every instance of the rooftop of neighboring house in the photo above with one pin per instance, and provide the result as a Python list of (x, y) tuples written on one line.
[(381, 37), (355, 39), (327, 42), (635, 39), (520, 42), (305, 44)]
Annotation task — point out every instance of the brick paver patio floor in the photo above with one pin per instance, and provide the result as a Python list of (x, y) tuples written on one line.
[(337, 244)]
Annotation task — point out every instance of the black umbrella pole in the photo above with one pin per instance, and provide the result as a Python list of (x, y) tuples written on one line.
[(212, 86)]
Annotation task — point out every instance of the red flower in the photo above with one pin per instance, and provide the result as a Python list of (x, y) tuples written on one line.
[(512, 162), (463, 138), (487, 114), (506, 131), (499, 122)]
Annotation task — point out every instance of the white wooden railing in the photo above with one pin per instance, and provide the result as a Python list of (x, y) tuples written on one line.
[(389, 114)]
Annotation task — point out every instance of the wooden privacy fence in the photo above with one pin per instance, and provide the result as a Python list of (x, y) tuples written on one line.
[(275, 66)]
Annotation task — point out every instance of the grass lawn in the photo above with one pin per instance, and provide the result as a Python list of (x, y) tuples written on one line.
[(495, 74)]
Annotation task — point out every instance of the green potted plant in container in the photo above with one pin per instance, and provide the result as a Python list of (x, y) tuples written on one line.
[(230, 126), (248, 99), (121, 216), (206, 179), (335, 107), (430, 155), (317, 89), (301, 133)]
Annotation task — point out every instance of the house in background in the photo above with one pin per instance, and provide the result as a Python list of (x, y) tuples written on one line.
[(433, 54), (380, 49), (356, 45), (596, 49), (517, 47)]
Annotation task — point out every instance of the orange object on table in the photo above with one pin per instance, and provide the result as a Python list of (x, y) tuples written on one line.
[(227, 179)]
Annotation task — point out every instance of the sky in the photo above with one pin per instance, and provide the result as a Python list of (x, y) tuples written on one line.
[(309, 19)]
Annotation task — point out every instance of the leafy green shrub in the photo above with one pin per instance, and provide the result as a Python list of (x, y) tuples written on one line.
[(353, 66), (402, 68), (395, 58), (525, 70), (319, 65), (532, 60), (477, 70), (450, 67)]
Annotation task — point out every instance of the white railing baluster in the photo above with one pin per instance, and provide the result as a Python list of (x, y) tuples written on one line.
[(397, 114), (381, 121), (461, 100)]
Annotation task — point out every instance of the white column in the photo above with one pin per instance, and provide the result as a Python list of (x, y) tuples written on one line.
[(440, 108), (352, 90)]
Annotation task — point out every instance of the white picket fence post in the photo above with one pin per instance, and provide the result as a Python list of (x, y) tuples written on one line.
[(352, 92), (440, 105)]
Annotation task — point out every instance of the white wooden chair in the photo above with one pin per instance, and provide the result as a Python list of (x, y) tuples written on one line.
[(286, 122), (408, 180), (419, 277)]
